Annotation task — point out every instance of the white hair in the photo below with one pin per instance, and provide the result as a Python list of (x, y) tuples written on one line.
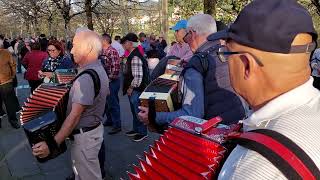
[(1, 43), (92, 39), (203, 24)]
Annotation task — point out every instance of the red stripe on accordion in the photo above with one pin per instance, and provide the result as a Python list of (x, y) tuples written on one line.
[(183, 170), (194, 139), (150, 171), (182, 159), (162, 168), (47, 95), (199, 147), (196, 157)]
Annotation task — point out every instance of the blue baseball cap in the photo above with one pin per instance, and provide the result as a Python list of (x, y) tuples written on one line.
[(182, 24), (271, 26)]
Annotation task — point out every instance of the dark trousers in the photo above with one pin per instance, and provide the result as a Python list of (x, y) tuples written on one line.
[(34, 84), (112, 104), (1, 107), (134, 100), (316, 82), (10, 100)]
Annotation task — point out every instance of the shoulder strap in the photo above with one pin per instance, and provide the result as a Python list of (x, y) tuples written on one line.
[(203, 57), (282, 152), (95, 77)]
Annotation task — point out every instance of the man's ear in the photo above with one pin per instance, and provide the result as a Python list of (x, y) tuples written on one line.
[(248, 64)]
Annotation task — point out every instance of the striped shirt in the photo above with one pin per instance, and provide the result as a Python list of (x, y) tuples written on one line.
[(295, 114), (137, 71)]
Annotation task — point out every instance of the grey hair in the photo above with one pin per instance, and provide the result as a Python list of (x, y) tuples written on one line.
[(203, 24), (92, 39), (1, 43)]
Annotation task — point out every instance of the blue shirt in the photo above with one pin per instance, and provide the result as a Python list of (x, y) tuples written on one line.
[(192, 100), (146, 46), (50, 64)]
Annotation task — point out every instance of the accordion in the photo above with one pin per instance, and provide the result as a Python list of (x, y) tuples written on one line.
[(64, 76), (43, 114), (191, 148), (162, 93)]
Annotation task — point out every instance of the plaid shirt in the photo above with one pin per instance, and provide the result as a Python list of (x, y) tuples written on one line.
[(111, 61), (137, 71)]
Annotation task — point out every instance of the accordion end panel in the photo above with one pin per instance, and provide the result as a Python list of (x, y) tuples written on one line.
[(163, 101)]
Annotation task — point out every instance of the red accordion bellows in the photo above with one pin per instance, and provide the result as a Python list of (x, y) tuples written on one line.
[(43, 99), (182, 154)]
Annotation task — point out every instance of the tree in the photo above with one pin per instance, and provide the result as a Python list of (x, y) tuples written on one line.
[(65, 8), (209, 7)]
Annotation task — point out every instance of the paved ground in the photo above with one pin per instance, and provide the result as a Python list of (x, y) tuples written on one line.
[(17, 162)]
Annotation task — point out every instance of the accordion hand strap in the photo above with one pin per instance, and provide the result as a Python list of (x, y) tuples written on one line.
[(282, 152)]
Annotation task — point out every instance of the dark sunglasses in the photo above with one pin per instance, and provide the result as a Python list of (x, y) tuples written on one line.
[(186, 38)]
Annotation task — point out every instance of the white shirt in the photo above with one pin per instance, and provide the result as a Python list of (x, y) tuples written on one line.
[(118, 47), (152, 63), (295, 114)]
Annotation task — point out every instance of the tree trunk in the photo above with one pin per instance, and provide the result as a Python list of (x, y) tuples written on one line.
[(36, 26), (88, 9), (164, 18), (209, 7), (50, 20), (67, 28)]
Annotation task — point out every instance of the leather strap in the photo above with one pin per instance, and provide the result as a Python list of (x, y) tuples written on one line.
[(282, 152)]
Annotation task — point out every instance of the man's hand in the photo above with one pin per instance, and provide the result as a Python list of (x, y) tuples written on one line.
[(129, 91), (144, 115), (41, 150)]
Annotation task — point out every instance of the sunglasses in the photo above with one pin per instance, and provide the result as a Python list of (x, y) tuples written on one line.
[(188, 36)]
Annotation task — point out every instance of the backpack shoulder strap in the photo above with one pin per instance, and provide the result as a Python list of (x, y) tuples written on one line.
[(202, 58), (282, 152), (95, 77)]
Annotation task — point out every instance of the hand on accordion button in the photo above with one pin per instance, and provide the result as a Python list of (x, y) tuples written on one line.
[(144, 115), (41, 149)]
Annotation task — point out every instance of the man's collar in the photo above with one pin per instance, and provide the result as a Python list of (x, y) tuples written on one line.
[(89, 65), (282, 104)]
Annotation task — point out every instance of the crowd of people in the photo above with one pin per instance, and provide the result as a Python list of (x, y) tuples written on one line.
[(263, 72)]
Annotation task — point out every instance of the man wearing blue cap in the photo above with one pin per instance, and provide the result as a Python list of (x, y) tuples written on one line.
[(268, 49), (180, 49), (205, 87)]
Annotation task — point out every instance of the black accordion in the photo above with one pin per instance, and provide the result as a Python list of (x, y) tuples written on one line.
[(43, 114)]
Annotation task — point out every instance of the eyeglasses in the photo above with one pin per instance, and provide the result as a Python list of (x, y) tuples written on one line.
[(223, 54), (52, 50)]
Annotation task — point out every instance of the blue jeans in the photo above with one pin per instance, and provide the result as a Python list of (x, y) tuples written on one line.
[(138, 126), (113, 106)]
